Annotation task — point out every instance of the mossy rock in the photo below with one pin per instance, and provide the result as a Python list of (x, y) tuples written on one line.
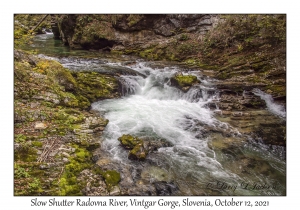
[(112, 178), (184, 82), (37, 144), (65, 79), (129, 142), (94, 86), (138, 152)]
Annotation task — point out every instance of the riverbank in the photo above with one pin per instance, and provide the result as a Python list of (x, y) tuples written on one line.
[(55, 133)]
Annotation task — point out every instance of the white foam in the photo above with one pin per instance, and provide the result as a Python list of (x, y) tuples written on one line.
[(276, 109)]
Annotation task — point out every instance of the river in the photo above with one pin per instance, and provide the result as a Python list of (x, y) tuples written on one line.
[(198, 160)]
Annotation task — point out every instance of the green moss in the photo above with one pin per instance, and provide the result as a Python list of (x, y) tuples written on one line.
[(67, 187), (19, 138), (26, 153), (94, 86), (83, 102), (68, 183), (37, 144), (262, 66), (278, 90), (138, 152), (67, 120), (185, 80), (27, 179), (65, 79), (20, 172), (129, 141), (152, 53), (112, 178), (82, 155)]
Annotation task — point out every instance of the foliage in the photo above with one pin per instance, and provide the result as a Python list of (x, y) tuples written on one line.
[(23, 23), (19, 138), (25, 183), (21, 36), (20, 172)]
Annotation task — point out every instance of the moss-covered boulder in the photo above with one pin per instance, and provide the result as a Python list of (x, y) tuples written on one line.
[(184, 82), (65, 79), (95, 86), (136, 146), (138, 152), (128, 141)]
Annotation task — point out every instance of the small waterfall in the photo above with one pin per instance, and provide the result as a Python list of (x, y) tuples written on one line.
[(276, 109), (130, 85)]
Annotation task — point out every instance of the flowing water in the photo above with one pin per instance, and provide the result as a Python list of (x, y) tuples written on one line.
[(199, 160)]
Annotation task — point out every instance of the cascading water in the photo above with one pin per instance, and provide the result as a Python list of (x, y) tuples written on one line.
[(205, 156), (277, 109), (152, 108)]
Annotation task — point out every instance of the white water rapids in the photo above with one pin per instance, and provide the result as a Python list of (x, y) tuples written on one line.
[(151, 107)]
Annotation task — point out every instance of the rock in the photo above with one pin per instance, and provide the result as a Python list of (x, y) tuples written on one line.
[(138, 152), (132, 33), (87, 131), (98, 129), (141, 147), (65, 79), (154, 173), (154, 144), (48, 96), (184, 82), (165, 188), (103, 162), (94, 86), (115, 190), (64, 149), (96, 122), (128, 141), (40, 126), (34, 104)]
